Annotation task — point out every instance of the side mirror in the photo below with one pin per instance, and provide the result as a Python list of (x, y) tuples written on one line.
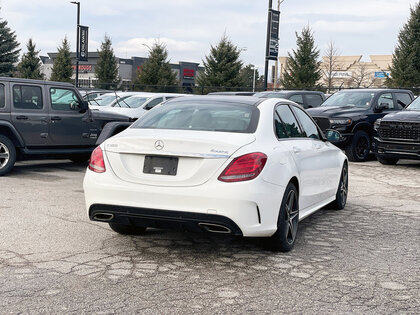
[(381, 107), (333, 135), (84, 106)]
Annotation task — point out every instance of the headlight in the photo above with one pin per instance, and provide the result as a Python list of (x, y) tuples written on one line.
[(340, 121), (377, 124)]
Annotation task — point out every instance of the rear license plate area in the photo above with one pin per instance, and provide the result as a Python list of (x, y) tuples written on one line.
[(160, 165)]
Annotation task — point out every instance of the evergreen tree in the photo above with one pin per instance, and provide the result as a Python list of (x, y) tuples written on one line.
[(405, 68), (9, 52), (223, 66), (302, 67), (247, 77), (62, 68), (156, 70), (30, 65), (106, 70)]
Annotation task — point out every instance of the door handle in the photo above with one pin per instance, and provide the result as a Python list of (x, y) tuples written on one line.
[(296, 150), (22, 117), (54, 118)]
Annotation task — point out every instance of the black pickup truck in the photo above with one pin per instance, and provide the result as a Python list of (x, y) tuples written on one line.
[(353, 114), (398, 135), (49, 119)]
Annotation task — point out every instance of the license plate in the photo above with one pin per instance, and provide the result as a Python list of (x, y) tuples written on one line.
[(160, 165)]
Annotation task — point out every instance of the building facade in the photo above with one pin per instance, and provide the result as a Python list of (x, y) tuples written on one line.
[(351, 71), (128, 68)]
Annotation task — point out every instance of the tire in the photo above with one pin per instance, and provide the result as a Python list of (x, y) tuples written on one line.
[(287, 224), (7, 155), (342, 191), (387, 161), (127, 229), (80, 159), (359, 148)]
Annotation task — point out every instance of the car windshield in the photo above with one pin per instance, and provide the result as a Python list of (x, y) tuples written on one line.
[(270, 95), (415, 105), (224, 117), (350, 98), (104, 100), (131, 102)]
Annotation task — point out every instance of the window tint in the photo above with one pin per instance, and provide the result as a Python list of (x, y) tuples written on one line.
[(307, 124), (313, 100), (289, 120), (2, 97), (403, 99), (27, 97), (386, 99), (201, 116), (279, 127), (297, 98), (154, 102), (64, 99)]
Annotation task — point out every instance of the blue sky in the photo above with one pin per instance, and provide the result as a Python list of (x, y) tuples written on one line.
[(188, 27)]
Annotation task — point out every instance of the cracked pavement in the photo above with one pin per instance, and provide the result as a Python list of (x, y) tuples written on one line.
[(363, 259)]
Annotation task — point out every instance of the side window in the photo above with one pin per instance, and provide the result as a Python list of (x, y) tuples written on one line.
[(279, 127), (154, 102), (64, 99), (313, 100), (386, 99), (27, 97), (403, 99), (307, 124), (297, 98), (2, 97), (289, 121)]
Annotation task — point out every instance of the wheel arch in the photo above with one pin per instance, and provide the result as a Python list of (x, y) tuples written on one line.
[(363, 126), (9, 131)]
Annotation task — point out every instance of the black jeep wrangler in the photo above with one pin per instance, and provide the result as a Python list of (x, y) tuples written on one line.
[(354, 112), (49, 119), (398, 135)]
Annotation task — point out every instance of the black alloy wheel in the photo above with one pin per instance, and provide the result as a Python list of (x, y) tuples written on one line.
[(359, 148), (287, 225)]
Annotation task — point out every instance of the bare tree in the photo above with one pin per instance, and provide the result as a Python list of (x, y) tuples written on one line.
[(362, 77), (330, 65)]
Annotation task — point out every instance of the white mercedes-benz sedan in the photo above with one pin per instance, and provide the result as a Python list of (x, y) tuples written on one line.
[(236, 165)]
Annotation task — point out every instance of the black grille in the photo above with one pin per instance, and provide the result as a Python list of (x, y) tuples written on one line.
[(399, 130), (323, 123)]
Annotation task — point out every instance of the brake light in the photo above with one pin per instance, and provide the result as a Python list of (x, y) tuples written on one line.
[(245, 167), (97, 163)]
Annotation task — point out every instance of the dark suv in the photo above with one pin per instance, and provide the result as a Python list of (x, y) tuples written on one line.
[(398, 135), (353, 113), (49, 119), (306, 99)]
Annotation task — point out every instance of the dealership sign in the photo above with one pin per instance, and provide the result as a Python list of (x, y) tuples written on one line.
[(382, 74), (342, 74), (273, 46), (83, 43), (188, 73)]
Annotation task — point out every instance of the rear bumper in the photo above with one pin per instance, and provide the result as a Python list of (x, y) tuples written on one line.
[(397, 149), (180, 220), (247, 208)]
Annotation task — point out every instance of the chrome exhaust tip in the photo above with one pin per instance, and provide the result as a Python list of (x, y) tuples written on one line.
[(101, 216), (215, 228)]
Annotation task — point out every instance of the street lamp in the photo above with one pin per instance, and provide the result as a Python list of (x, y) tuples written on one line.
[(77, 41)]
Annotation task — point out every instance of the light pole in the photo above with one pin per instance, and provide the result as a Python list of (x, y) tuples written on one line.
[(276, 65), (253, 80), (77, 42), (267, 46)]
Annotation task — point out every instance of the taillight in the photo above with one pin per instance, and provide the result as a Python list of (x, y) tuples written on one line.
[(245, 167), (96, 163)]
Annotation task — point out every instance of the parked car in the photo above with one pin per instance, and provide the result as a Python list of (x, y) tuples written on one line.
[(353, 113), (216, 164), (50, 119), (307, 99), (91, 95), (398, 135), (137, 105), (241, 93)]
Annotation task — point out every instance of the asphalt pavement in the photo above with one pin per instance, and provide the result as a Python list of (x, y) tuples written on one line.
[(364, 259)]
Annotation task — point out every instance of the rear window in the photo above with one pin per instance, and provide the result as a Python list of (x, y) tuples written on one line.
[(223, 117)]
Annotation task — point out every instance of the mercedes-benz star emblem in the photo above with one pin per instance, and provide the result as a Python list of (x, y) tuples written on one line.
[(159, 145)]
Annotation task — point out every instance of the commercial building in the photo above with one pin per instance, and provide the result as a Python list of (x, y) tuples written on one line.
[(186, 72), (351, 71)]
